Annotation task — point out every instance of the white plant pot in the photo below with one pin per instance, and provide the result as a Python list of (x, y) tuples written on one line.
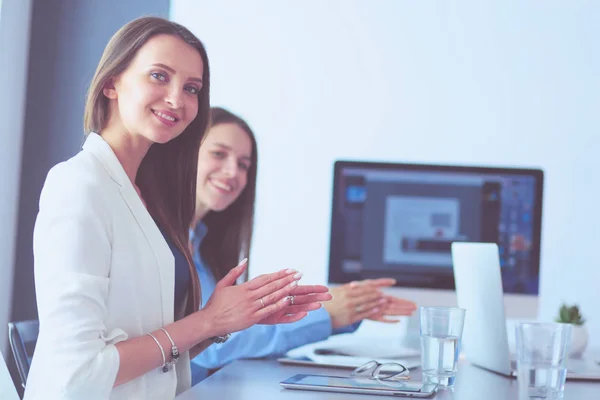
[(579, 340)]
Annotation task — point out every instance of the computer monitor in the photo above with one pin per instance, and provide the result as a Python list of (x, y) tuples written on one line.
[(399, 220)]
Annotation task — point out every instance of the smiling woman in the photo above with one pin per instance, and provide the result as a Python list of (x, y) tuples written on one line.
[(222, 231), (117, 291)]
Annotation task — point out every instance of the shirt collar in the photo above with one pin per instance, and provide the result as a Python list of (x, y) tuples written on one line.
[(198, 233)]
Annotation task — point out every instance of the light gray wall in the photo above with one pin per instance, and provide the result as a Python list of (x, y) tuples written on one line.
[(67, 40)]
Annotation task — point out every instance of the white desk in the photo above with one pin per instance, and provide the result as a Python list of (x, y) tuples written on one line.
[(259, 379)]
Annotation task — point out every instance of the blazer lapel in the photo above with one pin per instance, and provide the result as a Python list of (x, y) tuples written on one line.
[(164, 258)]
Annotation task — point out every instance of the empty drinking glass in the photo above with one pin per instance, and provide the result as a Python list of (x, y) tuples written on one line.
[(542, 350), (441, 332)]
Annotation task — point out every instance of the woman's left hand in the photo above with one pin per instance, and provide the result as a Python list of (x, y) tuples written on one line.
[(394, 307), (303, 299), (360, 300)]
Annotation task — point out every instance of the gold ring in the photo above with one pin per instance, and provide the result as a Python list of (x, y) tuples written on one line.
[(262, 302)]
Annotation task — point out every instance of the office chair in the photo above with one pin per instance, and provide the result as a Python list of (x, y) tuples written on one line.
[(22, 336)]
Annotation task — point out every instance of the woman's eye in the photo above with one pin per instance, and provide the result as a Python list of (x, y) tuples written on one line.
[(159, 76), (218, 154), (192, 89), (244, 166)]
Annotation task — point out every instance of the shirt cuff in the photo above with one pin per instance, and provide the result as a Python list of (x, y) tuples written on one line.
[(347, 329)]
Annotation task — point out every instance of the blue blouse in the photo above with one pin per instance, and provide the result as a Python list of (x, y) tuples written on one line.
[(182, 274), (258, 340)]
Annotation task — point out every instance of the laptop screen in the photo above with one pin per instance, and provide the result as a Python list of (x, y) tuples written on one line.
[(399, 220)]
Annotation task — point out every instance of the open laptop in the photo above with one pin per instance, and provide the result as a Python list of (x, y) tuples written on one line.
[(479, 291)]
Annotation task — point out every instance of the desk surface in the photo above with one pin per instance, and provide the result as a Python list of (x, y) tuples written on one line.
[(259, 379)]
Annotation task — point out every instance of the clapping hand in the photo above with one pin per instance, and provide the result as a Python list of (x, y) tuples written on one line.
[(360, 300), (302, 299), (266, 299)]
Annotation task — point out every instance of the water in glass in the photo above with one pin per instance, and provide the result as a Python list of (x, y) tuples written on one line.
[(439, 357), (541, 381)]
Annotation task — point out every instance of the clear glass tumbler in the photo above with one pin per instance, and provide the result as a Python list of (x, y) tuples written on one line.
[(542, 350), (441, 332)]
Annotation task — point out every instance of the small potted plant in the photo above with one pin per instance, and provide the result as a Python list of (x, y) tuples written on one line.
[(579, 334)]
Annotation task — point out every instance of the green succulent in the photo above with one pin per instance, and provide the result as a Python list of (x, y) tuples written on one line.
[(570, 315)]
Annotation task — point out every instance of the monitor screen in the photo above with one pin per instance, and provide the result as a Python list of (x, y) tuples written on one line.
[(398, 220)]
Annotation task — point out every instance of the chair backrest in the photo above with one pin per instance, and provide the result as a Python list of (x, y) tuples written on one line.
[(22, 336), (7, 388)]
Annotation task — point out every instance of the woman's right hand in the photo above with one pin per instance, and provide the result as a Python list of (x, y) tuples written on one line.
[(232, 308)]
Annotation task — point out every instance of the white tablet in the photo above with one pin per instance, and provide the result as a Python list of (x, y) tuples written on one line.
[(340, 384)]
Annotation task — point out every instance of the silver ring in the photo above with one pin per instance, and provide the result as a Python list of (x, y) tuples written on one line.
[(292, 298), (262, 302), (358, 308)]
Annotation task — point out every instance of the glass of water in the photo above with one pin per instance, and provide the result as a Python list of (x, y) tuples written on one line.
[(542, 350), (441, 331)]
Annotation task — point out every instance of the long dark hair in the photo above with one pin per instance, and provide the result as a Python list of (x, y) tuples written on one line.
[(167, 174), (230, 231)]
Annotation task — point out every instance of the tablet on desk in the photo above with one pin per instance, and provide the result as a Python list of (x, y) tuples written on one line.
[(341, 384)]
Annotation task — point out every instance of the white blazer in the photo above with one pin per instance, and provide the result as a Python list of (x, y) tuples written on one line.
[(103, 274)]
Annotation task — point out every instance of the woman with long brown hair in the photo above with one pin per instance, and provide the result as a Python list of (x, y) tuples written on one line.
[(222, 232), (118, 295)]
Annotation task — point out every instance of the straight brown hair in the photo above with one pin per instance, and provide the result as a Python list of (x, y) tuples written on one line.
[(229, 232), (167, 174)]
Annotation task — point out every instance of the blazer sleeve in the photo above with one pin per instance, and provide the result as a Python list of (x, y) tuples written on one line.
[(75, 355)]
